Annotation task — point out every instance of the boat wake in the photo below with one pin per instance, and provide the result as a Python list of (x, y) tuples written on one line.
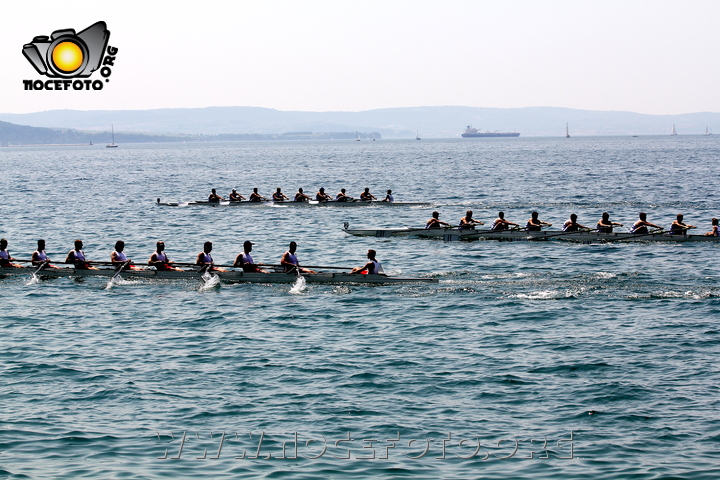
[(34, 280), (209, 282), (299, 286)]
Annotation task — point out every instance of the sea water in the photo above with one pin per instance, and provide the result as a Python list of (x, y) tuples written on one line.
[(526, 360)]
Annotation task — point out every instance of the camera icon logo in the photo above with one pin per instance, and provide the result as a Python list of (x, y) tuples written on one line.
[(66, 54)]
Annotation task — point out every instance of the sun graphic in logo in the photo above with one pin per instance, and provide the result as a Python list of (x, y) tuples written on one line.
[(67, 56)]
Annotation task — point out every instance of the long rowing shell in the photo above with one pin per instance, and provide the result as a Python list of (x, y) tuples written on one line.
[(312, 203)]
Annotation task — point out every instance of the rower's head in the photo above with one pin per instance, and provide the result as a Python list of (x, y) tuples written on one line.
[(322, 190), (468, 214), (160, 246), (436, 214), (534, 215), (342, 190), (605, 216), (573, 218), (213, 191), (501, 215), (78, 244), (3, 244), (119, 246), (207, 247), (234, 191), (41, 244), (278, 190), (643, 216), (371, 254), (679, 217), (389, 192), (714, 221), (255, 189), (300, 190), (367, 190), (293, 247), (247, 246)]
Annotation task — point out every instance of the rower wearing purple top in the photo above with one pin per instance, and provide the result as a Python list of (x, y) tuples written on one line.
[(5, 258), (160, 260), (205, 260), (245, 260), (641, 226), (501, 224), (39, 256), (715, 232), (77, 257), (572, 225), (289, 261)]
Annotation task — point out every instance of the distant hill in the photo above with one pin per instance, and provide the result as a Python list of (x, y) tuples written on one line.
[(437, 122)]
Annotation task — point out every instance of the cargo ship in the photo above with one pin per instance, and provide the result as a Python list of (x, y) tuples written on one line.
[(473, 133)]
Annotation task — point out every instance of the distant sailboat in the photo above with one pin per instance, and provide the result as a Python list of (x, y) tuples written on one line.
[(707, 131), (417, 135), (112, 145), (567, 131), (373, 136), (357, 138), (674, 132)]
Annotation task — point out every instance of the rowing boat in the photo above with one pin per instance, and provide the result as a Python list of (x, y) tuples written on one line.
[(312, 203), (231, 276), (452, 234)]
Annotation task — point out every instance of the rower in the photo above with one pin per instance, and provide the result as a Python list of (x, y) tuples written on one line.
[(501, 224), (342, 197), (572, 225), (678, 227), (160, 260), (5, 258), (604, 225), (535, 225), (278, 196), (235, 196), (468, 222), (205, 260), (245, 260), (715, 232), (435, 222), (321, 196), (290, 263), (641, 226), (366, 196), (77, 257), (214, 197), (256, 197), (300, 196), (39, 256), (372, 267), (118, 257), (389, 197)]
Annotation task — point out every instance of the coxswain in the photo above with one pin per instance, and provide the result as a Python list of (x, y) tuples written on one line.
[(435, 222), (300, 196), (535, 225), (214, 197), (572, 225), (389, 197), (256, 197), (641, 226), (372, 267), (321, 196), (160, 260), (605, 225), (343, 197), (501, 224), (678, 227), (235, 196), (366, 196), (715, 232), (5, 258), (205, 260), (39, 257), (245, 260), (278, 196), (118, 257), (77, 257), (468, 222), (289, 261)]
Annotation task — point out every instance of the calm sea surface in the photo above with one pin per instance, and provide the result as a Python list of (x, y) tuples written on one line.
[(527, 360)]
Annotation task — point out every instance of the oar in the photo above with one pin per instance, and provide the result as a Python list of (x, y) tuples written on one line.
[(40, 267), (651, 232), (119, 270), (311, 266), (203, 271), (585, 230)]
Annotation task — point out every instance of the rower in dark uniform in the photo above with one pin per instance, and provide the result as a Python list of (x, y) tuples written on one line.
[(256, 197), (214, 197), (678, 227), (343, 197), (321, 196), (641, 226), (77, 257), (535, 225), (604, 225), (389, 197), (366, 196), (278, 196), (435, 222), (235, 196), (501, 224), (572, 225), (468, 222), (300, 196)]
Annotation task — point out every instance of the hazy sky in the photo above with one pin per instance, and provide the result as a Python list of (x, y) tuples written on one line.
[(657, 57)]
